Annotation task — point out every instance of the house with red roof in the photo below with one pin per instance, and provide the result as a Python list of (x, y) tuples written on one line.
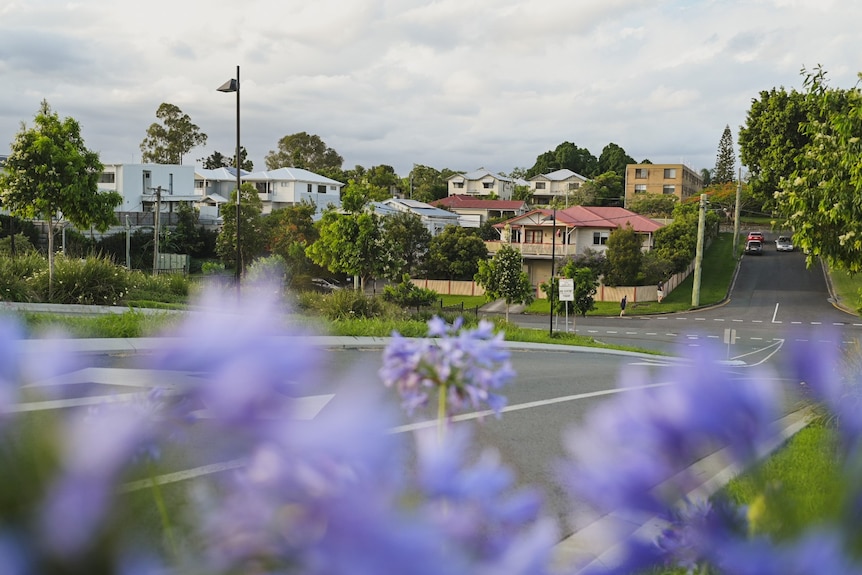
[(479, 210), (538, 235)]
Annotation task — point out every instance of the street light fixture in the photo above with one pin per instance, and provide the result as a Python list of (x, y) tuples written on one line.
[(232, 85)]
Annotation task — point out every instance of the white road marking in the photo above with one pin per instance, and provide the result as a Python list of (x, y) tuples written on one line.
[(775, 313)]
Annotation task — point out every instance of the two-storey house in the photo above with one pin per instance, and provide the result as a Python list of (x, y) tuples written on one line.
[(543, 234), (557, 185), (474, 212), (481, 183), (290, 186)]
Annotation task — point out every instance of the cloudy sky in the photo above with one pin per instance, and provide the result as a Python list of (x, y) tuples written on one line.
[(457, 84)]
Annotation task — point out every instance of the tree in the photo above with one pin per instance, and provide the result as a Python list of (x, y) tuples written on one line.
[(186, 237), (614, 159), (306, 151), (251, 236), (706, 176), (772, 139), (350, 243), (725, 160), (289, 231), (218, 160), (176, 136), (427, 184), (407, 239), (624, 256), (503, 277), (455, 254), (654, 205), (51, 175), (607, 189), (820, 199), (566, 155), (586, 285)]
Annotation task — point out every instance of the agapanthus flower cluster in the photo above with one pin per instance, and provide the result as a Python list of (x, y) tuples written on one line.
[(462, 367), (337, 493), (632, 457)]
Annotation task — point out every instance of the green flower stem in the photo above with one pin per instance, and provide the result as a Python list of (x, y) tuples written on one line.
[(441, 412), (163, 513)]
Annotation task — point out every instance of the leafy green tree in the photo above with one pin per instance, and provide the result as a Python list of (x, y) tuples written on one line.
[(186, 234), (614, 159), (306, 151), (251, 236), (772, 139), (218, 160), (586, 285), (654, 205), (407, 240), (566, 155), (455, 254), (427, 184), (503, 277), (706, 176), (350, 243), (725, 160), (51, 175), (289, 231), (408, 294), (607, 189), (176, 136), (820, 199), (624, 256)]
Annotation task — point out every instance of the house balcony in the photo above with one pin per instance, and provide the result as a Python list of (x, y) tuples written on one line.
[(541, 251)]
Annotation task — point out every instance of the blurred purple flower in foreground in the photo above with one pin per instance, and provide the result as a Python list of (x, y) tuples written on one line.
[(463, 367)]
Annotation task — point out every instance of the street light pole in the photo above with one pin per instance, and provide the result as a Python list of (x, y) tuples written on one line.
[(553, 261), (232, 85)]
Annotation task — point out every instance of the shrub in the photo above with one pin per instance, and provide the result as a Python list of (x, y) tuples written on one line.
[(407, 294), (350, 304), (16, 276), (90, 281), (168, 288)]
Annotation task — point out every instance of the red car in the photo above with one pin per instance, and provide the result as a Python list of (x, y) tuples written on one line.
[(756, 236)]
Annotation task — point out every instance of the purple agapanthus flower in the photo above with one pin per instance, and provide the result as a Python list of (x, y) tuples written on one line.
[(633, 453), (469, 365)]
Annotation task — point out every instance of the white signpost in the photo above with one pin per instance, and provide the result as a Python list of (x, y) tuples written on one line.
[(567, 293)]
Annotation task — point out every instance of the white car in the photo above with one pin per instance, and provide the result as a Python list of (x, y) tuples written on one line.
[(783, 244)]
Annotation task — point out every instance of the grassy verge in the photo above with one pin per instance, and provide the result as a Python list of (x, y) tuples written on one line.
[(847, 288)]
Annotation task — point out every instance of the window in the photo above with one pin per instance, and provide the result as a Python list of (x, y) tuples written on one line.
[(640, 188), (574, 185), (600, 238), (488, 185), (170, 184), (641, 173), (669, 173), (668, 190), (310, 188), (458, 185), (107, 178), (332, 188), (532, 236), (540, 185), (321, 189)]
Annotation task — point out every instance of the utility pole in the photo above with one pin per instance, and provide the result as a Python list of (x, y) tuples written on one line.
[(156, 231), (698, 258)]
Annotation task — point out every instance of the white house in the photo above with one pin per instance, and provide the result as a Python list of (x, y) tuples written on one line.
[(558, 184), (434, 219), (144, 186), (289, 186), (481, 183)]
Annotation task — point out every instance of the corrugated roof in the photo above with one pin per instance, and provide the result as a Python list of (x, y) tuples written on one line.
[(290, 174), (467, 202), (593, 217)]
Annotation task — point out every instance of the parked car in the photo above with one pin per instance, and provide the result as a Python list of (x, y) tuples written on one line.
[(755, 236), (754, 247), (783, 244), (324, 284)]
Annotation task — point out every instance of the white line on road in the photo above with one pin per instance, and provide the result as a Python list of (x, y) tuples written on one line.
[(775, 313)]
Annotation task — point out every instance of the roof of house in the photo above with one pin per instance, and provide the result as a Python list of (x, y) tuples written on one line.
[(467, 202), (219, 174), (559, 175), (420, 208), (479, 174), (593, 217), (290, 174)]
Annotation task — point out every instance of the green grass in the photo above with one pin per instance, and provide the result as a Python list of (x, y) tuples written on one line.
[(847, 287)]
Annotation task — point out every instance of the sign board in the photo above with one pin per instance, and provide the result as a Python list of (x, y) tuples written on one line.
[(567, 289)]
